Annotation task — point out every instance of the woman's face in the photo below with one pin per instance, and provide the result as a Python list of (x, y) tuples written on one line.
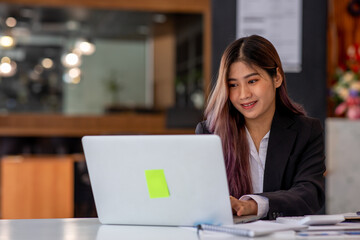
[(252, 91)]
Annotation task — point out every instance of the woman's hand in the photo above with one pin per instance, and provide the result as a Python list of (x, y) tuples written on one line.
[(242, 208)]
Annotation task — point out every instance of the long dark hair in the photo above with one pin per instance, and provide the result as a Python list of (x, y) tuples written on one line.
[(226, 121)]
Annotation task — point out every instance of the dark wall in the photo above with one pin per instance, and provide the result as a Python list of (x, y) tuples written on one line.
[(307, 87), (223, 30)]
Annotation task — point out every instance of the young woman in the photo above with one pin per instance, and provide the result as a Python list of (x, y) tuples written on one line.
[(274, 153)]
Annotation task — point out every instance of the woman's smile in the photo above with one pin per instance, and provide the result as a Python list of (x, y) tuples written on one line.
[(249, 105)]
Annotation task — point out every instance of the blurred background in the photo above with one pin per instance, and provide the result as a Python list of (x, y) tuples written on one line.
[(82, 67)]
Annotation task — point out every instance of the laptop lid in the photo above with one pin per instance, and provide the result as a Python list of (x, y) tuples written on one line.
[(158, 179)]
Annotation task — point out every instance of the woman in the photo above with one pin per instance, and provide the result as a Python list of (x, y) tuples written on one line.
[(274, 153)]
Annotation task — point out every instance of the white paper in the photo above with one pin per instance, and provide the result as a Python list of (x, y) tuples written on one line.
[(348, 226), (279, 21), (254, 229)]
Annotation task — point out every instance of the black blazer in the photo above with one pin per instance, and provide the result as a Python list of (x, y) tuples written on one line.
[(294, 168)]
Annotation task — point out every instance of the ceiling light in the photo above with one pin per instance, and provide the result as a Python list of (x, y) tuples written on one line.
[(68, 79), (85, 47), (72, 25), (7, 69), (5, 60), (47, 63), (76, 80), (34, 76), (7, 41), (71, 60), (38, 69), (74, 72), (11, 22)]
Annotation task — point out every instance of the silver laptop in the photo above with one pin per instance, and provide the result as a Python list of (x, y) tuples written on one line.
[(175, 180)]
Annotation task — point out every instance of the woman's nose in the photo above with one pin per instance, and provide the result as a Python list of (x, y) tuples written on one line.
[(244, 92)]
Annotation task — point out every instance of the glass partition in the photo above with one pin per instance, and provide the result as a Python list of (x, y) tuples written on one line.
[(92, 61)]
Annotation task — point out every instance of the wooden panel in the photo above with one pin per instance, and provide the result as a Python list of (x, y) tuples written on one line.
[(343, 30), (207, 52), (37, 187), (164, 64), (77, 126), (144, 5)]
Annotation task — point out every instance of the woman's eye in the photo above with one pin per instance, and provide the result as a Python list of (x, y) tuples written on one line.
[(231, 85), (253, 81)]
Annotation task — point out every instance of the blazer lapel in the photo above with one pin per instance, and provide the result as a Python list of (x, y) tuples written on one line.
[(280, 144)]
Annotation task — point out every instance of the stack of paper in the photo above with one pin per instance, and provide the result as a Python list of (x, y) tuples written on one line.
[(253, 229)]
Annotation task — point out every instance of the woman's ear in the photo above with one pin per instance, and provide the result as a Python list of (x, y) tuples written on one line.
[(278, 78)]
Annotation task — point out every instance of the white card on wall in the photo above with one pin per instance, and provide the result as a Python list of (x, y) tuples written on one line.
[(279, 21)]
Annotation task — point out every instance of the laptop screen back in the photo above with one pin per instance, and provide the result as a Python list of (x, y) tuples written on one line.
[(158, 179)]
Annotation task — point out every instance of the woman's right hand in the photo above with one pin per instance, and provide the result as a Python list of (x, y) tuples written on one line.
[(242, 208)]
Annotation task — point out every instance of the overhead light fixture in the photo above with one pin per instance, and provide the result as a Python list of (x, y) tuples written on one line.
[(47, 63), (71, 60), (7, 67), (72, 25), (11, 22), (7, 41), (5, 60), (68, 79), (85, 47), (38, 69), (34, 76), (76, 80), (74, 72), (72, 76)]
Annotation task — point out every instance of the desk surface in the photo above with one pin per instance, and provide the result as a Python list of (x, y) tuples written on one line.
[(91, 229), (86, 229)]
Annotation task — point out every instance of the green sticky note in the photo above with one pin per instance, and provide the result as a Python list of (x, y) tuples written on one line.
[(156, 183)]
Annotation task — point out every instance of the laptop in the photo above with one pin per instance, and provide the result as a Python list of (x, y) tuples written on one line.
[(167, 180)]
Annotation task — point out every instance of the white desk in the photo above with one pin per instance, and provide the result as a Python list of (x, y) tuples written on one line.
[(91, 229), (86, 229)]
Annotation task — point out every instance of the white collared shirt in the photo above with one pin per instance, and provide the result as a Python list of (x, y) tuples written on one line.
[(257, 167)]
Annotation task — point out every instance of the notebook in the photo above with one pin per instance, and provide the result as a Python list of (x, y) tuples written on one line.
[(174, 180), (254, 229)]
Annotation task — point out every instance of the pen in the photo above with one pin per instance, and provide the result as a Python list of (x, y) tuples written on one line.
[(307, 234), (330, 233), (352, 232)]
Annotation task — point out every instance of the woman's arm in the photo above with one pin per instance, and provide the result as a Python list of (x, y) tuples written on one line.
[(306, 194)]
